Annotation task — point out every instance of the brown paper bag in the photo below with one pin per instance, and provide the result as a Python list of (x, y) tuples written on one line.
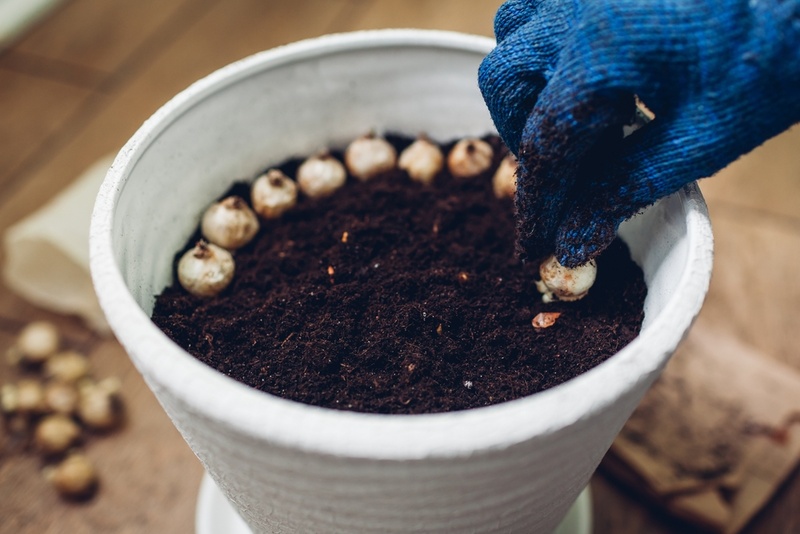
[(716, 435)]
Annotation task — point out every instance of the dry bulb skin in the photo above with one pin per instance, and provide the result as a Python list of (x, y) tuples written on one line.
[(544, 320), (562, 283), (229, 223), (75, 477), (504, 181), (55, 434), (320, 175), (469, 158), (206, 269), (369, 156), (272, 194), (422, 160), (641, 118), (38, 341)]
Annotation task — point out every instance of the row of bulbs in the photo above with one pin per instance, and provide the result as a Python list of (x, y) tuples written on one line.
[(227, 225)]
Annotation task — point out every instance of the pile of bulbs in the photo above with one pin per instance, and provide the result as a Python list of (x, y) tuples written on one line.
[(227, 225), (54, 408)]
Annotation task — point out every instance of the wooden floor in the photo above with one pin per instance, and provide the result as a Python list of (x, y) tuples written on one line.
[(78, 85)]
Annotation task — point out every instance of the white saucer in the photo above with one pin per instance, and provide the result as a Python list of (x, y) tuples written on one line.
[(215, 515)]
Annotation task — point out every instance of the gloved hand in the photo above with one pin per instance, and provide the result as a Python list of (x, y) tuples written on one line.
[(721, 76)]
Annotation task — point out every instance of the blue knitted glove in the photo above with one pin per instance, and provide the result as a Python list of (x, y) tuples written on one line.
[(721, 76)]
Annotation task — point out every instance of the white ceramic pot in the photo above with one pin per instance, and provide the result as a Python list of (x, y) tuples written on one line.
[(289, 467)]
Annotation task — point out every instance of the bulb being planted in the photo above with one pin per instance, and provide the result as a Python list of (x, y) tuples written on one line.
[(562, 283)]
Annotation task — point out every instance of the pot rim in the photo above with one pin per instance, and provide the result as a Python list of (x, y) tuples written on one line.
[(283, 423)]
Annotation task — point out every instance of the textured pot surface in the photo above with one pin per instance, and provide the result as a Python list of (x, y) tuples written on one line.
[(287, 467)]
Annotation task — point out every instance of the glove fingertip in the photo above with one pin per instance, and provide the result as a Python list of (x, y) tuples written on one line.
[(578, 242), (510, 16)]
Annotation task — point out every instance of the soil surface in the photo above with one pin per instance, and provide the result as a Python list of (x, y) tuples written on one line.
[(394, 297)]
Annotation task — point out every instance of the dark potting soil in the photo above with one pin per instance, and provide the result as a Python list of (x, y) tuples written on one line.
[(394, 297)]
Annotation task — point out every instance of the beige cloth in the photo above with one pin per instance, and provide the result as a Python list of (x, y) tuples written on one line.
[(47, 253)]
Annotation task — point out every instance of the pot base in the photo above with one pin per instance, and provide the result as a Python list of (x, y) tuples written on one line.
[(214, 514)]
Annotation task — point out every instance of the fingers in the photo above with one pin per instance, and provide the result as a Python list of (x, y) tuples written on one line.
[(514, 73), (654, 162), (718, 92), (567, 125)]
